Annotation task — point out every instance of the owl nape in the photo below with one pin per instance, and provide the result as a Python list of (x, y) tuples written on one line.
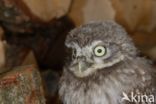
[(105, 68)]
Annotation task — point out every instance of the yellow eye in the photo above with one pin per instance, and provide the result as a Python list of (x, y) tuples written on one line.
[(99, 51)]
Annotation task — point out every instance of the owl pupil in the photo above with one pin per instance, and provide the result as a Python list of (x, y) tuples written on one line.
[(99, 50)]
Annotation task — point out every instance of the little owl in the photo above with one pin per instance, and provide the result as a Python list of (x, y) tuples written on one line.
[(103, 67)]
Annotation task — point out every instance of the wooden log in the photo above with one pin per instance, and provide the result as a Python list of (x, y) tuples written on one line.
[(43, 10), (30, 59), (2, 50), (132, 14), (47, 10), (152, 53), (15, 55), (23, 16), (83, 11), (13, 19), (2, 55), (1, 33), (147, 48), (22, 85)]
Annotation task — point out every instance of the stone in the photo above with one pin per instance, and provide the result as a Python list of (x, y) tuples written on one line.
[(22, 85)]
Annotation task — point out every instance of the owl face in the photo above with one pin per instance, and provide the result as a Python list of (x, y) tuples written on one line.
[(95, 47)]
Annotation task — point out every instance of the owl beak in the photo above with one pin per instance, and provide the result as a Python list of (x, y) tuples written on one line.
[(82, 66)]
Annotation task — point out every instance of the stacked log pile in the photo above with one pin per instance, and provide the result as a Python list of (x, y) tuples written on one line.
[(33, 32)]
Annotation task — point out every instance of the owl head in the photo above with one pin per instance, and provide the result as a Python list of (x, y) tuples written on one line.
[(96, 46)]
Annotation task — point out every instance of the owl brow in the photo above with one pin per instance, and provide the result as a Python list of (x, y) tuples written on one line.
[(95, 43)]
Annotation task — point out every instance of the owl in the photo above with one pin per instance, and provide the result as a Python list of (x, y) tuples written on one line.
[(104, 67)]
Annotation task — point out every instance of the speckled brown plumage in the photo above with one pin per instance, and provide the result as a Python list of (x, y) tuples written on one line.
[(103, 79)]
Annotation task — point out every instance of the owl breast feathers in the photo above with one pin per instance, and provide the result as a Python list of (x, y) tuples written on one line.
[(103, 67)]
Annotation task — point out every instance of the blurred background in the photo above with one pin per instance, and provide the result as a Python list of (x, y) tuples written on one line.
[(33, 31)]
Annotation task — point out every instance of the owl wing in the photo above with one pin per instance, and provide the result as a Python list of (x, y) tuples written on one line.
[(148, 74)]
